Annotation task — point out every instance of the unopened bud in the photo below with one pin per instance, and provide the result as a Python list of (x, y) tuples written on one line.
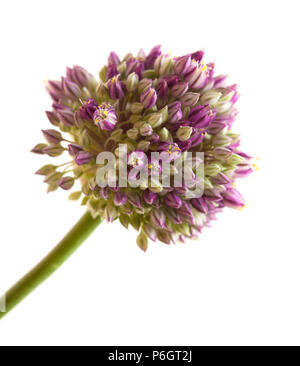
[(136, 108), (212, 170), (132, 82), (142, 241), (184, 133), (66, 183), (222, 153), (54, 150), (155, 120), (221, 140), (133, 133), (46, 170), (143, 145), (146, 129), (52, 136)]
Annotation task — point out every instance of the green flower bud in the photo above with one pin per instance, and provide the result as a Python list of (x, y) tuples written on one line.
[(136, 108), (133, 133), (110, 212), (46, 170), (144, 85), (117, 135), (150, 74), (184, 133), (54, 150), (207, 183), (146, 129), (221, 140), (235, 159), (212, 169), (163, 65), (143, 145), (53, 178), (223, 107), (103, 73), (124, 220), (210, 97), (122, 68), (155, 120), (74, 196), (132, 82), (164, 114), (165, 135), (222, 153)]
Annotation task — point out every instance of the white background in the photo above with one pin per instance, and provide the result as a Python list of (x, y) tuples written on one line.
[(237, 285)]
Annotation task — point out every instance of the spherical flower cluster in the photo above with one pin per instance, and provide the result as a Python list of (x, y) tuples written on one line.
[(150, 103)]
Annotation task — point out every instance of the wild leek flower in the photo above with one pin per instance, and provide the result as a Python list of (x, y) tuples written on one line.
[(149, 103)]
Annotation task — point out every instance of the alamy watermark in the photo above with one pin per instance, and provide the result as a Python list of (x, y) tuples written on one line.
[(170, 168)]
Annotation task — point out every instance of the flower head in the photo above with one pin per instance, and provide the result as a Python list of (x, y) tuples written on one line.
[(163, 110)]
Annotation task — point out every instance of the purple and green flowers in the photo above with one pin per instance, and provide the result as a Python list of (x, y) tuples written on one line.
[(151, 103)]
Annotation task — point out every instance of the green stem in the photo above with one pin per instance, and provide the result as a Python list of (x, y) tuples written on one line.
[(72, 241)]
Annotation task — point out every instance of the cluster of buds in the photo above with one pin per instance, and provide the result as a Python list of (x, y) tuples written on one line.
[(151, 103)]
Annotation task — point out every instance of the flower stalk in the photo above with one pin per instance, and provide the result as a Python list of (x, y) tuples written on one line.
[(42, 271)]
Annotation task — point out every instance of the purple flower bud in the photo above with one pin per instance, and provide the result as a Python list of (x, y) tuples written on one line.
[(74, 149), (116, 88), (189, 99), (172, 200), (150, 231), (83, 157), (220, 179), (149, 197), (174, 112), (152, 56), (111, 71), (197, 77), (216, 127), (52, 136), (243, 172), (199, 204), (66, 183), (173, 216), (197, 137), (71, 89), (105, 117), (66, 117), (55, 90), (162, 90), (197, 56), (212, 195), (120, 199), (171, 80), (182, 65), (232, 198), (136, 66), (148, 98), (113, 59), (154, 138), (158, 218), (52, 118), (218, 81), (39, 149), (134, 199), (179, 89), (79, 76), (88, 109), (201, 116), (104, 193)]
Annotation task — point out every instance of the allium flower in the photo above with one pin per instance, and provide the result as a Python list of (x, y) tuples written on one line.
[(151, 103), (164, 111)]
